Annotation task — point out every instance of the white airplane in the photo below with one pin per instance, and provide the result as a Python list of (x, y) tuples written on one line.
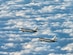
[(29, 30), (54, 39)]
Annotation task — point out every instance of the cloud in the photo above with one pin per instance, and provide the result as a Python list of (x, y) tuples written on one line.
[(20, 13), (60, 54), (67, 0), (14, 38), (47, 32), (56, 0), (8, 45), (71, 34), (67, 30), (68, 47), (10, 9), (33, 4), (58, 16), (67, 24), (46, 9), (55, 24), (59, 31), (4, 53), (68, 39), (68, 27), (15, 53), (35, 47), (22, 18), (20, 23), (40, 18)]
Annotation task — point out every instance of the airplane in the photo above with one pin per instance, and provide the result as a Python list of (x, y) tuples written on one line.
[(54, 39), (29, 30)]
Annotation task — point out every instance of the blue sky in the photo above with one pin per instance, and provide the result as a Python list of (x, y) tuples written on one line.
[(52, 17)]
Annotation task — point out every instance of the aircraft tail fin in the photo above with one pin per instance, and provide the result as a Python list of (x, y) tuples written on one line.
[(22, 29), (36, 28), (54, 38)]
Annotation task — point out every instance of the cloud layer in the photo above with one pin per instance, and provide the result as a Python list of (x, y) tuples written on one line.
[(52, 17)]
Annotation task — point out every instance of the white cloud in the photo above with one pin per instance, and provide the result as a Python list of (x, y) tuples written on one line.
[(15, 53), (39, 18), (38, 49), (18, 23), (47, 31), (55, 24), (46, 9), (60, 54), (28, 46), (5, 13), (67, 0), (68, 27), (64, 5), (8, 9), (68, 47), (8, 45), (67, 30), (13, 35), (58, 47), (32, 4), (18, 0), (11, 2), (56, 0), (4, 53), (71, 34), (44, 48), (20, 13), (58, 31), (68, 39), (57, 16), (13, 39), (34, 46), (35, 39)]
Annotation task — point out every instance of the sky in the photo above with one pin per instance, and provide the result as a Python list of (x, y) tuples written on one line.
[(52, 17)]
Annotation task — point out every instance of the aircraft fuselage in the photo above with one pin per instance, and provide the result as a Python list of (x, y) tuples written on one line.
[(28, 30), (46, 40)]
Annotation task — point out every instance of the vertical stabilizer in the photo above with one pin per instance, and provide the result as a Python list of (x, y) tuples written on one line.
[(54, 38), (36, 28)]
